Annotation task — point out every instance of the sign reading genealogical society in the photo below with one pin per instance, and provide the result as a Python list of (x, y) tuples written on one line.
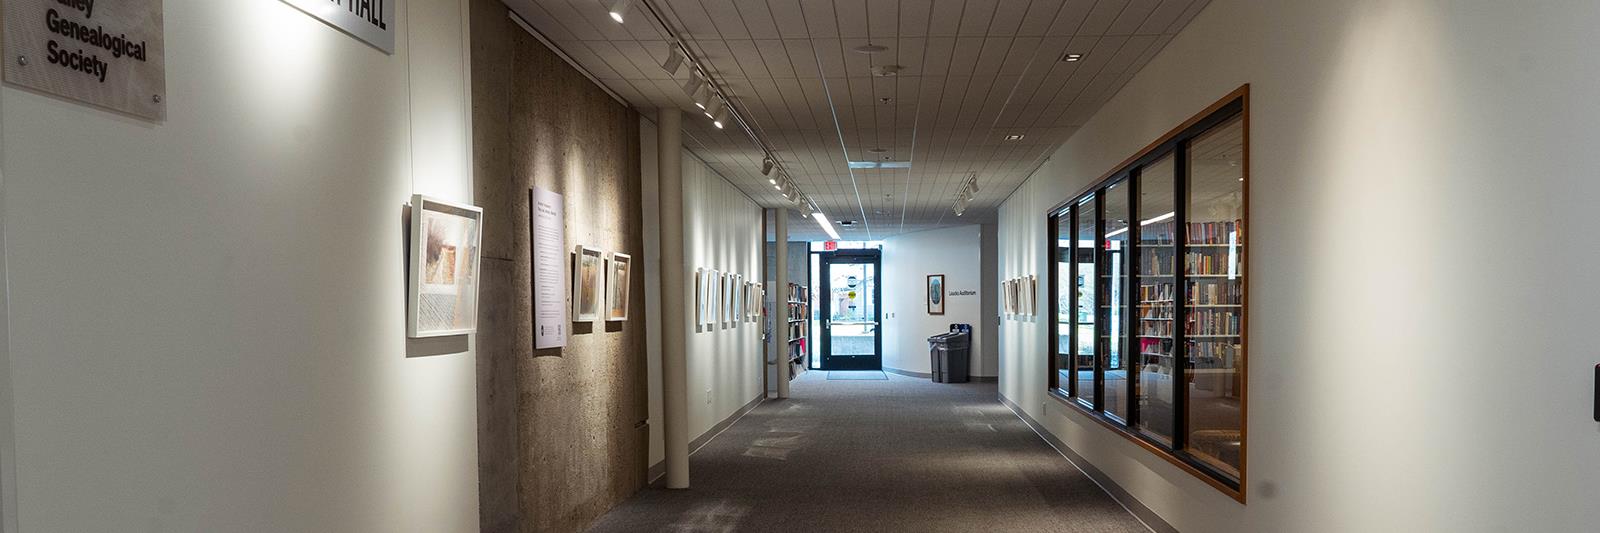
[(101, 52), (369, 20)]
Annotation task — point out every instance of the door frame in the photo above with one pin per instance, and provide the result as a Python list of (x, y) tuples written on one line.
[(825, 342)]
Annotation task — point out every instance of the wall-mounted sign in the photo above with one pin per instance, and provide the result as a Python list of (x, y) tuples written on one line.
[(548, 222), (369, 20), (103, 53)]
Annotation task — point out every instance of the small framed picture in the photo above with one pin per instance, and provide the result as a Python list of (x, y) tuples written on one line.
[(588, 271), (1032, 289), (1009, 289), (618, 278), (936, 294), (443, 268)]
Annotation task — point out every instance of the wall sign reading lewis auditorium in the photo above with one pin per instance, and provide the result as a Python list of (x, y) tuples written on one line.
[(369, 20), (101, 52)]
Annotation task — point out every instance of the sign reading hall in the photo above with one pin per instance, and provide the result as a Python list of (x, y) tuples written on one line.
[(369, 20)]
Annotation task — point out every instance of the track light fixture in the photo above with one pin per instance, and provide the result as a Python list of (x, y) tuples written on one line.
[(674, 60), (620, 8), (692, 87), (705, 98), (702, 89)]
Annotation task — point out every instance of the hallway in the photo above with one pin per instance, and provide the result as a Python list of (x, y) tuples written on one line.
[(902, 454)]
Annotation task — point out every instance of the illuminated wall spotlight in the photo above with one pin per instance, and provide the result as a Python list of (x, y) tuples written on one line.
[(721, 118), (712, 107), (620, 8), (766, 166)]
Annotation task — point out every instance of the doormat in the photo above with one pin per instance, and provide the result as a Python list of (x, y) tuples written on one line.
[(856, 375)]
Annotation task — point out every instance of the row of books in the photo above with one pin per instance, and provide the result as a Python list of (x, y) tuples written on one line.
[(1212, 232), (1214, 294), (1155, 328), (798, 293), (1155, 292), (1207, 263), (1212, 322), (797, 330), (1213, 351), (1163, 233)]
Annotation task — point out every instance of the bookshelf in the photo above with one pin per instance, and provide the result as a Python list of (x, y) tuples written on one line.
[(798, 298)]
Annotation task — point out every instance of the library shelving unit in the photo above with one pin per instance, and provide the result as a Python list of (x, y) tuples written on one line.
[(799, 298)]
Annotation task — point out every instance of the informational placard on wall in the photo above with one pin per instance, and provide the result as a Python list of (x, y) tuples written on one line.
[(549, 269), (371, 21), (106, 53)]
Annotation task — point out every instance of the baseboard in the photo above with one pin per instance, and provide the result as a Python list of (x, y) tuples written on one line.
[(925, 375), (660, 468), (1121, 495)]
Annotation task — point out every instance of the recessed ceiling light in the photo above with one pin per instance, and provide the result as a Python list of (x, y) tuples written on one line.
[(869, 48), (1072, 58), (1014, 137), (877, 150), (886, 71)]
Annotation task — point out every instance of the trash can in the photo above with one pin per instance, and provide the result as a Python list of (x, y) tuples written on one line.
[(950, 354)]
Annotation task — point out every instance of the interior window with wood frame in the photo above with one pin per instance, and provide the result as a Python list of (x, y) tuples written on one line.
[(1151, 295)]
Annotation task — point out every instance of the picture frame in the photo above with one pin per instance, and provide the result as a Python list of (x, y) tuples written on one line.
[(751, 304), (936, 294), (619, 277), (699, 297), (727, 299), (1009, 289), (443, 270), (1033, 295), (717, 302), (588, 274), (737, 316)]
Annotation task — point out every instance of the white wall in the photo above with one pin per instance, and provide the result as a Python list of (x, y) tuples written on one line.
[(722, 230), (207, 315), (1422, 296), (908, 260)]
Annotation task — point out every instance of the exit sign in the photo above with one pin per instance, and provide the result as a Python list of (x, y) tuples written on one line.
[(830, 246)]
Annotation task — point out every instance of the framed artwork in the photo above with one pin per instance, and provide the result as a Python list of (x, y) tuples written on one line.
[(728, 300), (618, 278), (936, 294), (1010, 297), (443, 268), (588, 271), (737, 299), (751, 304), (715, 297), (699, 296), (1033, 294)]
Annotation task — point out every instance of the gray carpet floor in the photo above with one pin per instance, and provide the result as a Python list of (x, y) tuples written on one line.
[(903, 454)]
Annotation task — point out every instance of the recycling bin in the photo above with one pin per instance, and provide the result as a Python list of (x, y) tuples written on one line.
[(951, 356)]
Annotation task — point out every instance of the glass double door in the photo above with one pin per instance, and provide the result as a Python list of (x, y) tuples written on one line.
[(851, 325)]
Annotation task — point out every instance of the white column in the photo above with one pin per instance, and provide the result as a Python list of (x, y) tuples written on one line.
[(780, 227), (675, 283)]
